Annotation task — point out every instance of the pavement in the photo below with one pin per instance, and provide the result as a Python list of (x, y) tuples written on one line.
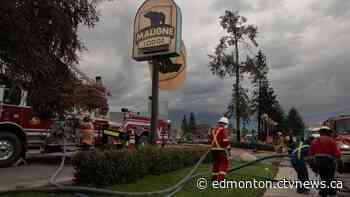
[(285, 171), (41, 167), (36, 174)]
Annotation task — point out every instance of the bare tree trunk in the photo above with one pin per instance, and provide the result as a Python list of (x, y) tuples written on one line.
[(259, 112), (238, 126)]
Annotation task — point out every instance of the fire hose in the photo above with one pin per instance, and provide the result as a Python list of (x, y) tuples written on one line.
[(169, 192), (55, 187)]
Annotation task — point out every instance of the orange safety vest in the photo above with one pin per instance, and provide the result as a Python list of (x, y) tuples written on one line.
[(87, 134), (132, 140), (220, 139)]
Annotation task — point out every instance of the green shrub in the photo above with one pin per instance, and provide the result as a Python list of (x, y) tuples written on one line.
[(110, 166)]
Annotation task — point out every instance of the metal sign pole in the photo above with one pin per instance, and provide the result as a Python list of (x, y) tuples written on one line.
[(155, 98)]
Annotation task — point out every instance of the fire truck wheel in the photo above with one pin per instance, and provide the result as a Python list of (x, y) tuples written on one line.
[(10, 149)]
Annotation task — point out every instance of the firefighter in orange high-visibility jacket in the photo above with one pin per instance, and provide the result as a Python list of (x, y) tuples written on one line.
[(87, 132), (220, 148)]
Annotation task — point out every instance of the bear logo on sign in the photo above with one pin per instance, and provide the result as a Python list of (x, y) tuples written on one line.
[(157, 18)]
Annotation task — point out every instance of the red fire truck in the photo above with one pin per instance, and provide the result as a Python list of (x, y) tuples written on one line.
[(124, 121), (21, 131), (341, 126)]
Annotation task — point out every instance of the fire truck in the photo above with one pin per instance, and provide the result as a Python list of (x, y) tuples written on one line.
[(21, 130), (341, 126), (121, 123)]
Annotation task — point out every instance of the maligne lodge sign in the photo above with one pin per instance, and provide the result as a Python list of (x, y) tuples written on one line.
[(157, 30)]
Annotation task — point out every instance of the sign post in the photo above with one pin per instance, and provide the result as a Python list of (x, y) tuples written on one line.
[(157, 38), (155, 99)]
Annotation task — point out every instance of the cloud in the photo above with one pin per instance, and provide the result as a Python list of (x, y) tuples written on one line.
[(267, 5), (241, 5), (306, 42), (334, 8)]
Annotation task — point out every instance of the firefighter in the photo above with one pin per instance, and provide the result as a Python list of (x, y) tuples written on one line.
[(132, 139), (87, 132), (220, 148), (326, 155), (298, 157), (253, 142)]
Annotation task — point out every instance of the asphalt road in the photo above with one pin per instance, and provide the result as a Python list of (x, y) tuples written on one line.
[(37, 173)]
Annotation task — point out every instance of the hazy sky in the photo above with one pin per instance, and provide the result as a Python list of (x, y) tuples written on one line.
[(306, 41)]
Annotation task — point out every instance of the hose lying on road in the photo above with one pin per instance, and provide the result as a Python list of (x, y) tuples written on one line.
[(52, 180), (170, 191), (70, 189)]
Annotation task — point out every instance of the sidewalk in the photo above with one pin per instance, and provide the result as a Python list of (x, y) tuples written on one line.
[(288, 173)]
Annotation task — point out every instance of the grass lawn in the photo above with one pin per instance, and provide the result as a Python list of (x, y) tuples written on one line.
[(152, 183)]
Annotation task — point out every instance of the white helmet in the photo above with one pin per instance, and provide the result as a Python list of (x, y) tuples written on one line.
[(325, 128), (224, 120)]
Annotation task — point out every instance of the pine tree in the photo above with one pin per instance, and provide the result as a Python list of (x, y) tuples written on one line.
[(280, 117), (192, 127), (264, 102), (295, 122), (245, 106), (225, 61), (184, 125)]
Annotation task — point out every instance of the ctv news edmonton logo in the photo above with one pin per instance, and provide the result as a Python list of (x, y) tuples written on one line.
[(157, 34)]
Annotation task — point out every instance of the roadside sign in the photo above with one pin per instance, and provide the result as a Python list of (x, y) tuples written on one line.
[(157, 37), (172, 72), (157, 30)]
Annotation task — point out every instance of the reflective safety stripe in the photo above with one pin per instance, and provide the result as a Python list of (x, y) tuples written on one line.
[(215, 140), (214, 173), (225, 140), (222, 172), (111, 133), (299, 149)]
